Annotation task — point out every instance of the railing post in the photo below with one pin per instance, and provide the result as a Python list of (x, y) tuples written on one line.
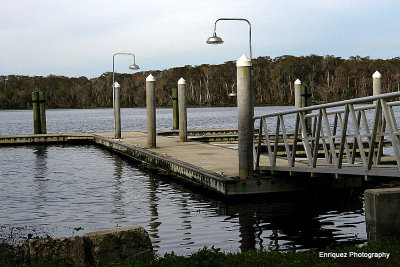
[(306, 102), (175, 111), (245, 117), (36, 112), (117, 111), (297, 94), (42, 109), (182, 110), (151, 111)]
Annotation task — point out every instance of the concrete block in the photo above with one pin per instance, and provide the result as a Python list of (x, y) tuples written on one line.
[(71, 250), (382, 213), (117, 245), (14, 254)]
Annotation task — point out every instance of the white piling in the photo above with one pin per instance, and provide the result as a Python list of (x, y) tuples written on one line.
[(297, 94), (245, 117), (117, 111), (182, 110), (376, 83), (151, 111)]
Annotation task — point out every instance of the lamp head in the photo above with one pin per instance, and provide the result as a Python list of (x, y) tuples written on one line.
[(214, 40), (232, 94), (134, 67)]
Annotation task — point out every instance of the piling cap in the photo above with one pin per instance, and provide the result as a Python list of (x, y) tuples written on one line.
[(181, 81), (116, 84), (150, 78), (243, 61), (297, 81), (377, 75)]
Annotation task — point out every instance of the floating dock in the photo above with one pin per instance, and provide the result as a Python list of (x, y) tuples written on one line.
[(213, 167)]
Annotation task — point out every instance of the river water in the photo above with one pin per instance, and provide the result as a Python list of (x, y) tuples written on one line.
[(64, 190)]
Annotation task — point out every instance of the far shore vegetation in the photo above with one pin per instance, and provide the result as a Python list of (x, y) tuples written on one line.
[(330, 79)]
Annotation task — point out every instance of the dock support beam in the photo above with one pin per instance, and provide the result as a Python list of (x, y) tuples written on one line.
[(245, 117), (182, 110), (175, 111), (297, 94), (151, 111), (117, 110)]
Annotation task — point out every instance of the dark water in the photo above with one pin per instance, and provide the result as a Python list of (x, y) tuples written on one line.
[(69, 190)]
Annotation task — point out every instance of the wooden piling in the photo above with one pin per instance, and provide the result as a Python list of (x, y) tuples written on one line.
[(36, 113), (42, 109), (175, 111), (151, 111), (182, 110), (245, 117)]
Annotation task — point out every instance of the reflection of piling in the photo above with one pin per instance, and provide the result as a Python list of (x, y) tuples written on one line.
[(175, 111), (245, 117), (117, 111), (151, 111), (182, 110), (39, 113)]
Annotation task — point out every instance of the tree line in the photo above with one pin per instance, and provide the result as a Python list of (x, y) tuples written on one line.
[(330, 79)]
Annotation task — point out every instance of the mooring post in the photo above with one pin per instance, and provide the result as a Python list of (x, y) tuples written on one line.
[(377, 90), (297, 94), (182, 110), (175, 111), (42, 109), (117, 111), (151, 111), (376, 84), (306, 102), (245, 117), (36, 112)]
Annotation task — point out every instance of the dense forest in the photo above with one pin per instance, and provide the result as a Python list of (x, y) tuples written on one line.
[(330, 78)]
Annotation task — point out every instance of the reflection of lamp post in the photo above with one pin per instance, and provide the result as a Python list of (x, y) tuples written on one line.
[(217, 40), (232, 93), (116, 96)]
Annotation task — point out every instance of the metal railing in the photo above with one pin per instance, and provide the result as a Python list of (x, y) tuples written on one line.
[(346, 137)]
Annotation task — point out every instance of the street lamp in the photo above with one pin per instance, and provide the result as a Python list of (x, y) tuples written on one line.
[(218, 40), (215, 40), (132, 66), (116, 95)]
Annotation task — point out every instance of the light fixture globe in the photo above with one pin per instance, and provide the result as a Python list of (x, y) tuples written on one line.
[(134, 67), (232, 94), (214, 40)]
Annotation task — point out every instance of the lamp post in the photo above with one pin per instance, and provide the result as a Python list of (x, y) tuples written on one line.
[(116, 96), (218, 40), (245, 105)]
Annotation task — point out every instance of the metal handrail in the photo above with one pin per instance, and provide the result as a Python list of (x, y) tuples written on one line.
[(354, 137), (332, 105)]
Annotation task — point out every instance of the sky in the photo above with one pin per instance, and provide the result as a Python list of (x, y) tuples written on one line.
[(79, 37)]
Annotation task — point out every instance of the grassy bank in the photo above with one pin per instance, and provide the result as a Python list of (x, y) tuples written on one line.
[(213, 257)]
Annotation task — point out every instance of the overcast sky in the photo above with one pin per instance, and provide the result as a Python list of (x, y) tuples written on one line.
[(78, 37)]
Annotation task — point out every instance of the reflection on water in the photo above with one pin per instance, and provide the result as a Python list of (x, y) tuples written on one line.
[(69, 190)]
